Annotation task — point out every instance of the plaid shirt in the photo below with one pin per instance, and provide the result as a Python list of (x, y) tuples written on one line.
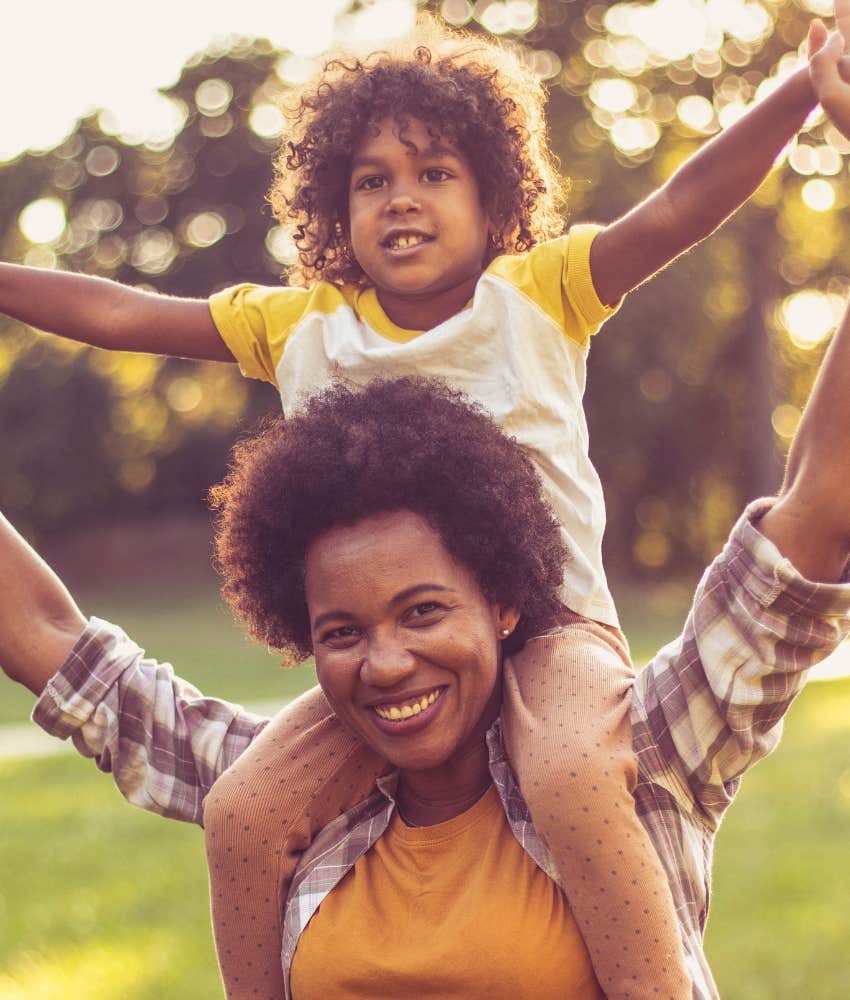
[(704, 710)]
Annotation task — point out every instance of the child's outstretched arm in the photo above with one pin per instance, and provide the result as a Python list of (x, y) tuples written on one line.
[(107, 314), (702, 193), (39, 620)]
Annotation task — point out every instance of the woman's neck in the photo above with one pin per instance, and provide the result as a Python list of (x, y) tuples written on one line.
[(441, 793)]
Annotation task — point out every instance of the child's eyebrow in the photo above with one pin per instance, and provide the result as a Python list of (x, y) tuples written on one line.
[(432, 149)]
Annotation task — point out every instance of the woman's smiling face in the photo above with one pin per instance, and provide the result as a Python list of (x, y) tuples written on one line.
[(406, 645)]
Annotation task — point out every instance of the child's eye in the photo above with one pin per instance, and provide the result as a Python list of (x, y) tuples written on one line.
[(370, 183), (436, 174)]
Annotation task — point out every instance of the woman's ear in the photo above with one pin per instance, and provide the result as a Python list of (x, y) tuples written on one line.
[(507, 620)]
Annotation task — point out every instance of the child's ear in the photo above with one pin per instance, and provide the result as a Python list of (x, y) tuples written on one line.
[(495, 231)]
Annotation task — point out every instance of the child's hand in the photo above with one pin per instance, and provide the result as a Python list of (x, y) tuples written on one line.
[(829, 66)]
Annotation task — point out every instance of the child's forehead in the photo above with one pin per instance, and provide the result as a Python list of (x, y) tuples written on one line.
[(416, 136)]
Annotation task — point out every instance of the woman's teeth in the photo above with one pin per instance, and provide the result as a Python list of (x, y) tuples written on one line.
[(395, 713)]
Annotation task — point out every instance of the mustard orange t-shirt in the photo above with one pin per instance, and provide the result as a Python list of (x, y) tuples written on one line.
[(457, 910)]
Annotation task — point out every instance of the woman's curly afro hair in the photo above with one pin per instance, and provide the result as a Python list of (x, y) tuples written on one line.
[(470, 91), (404, 444)]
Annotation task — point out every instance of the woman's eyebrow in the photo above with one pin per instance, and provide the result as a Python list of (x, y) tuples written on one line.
[(418, 588), (399, 598)]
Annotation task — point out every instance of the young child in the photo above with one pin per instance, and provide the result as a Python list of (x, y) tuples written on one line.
[(426, 210)]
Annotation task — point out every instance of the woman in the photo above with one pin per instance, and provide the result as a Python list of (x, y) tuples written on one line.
[(411, 564)]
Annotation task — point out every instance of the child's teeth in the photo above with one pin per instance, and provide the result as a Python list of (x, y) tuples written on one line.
[(403, 242)]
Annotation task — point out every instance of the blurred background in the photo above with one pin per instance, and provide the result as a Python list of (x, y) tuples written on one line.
[(143, 153)]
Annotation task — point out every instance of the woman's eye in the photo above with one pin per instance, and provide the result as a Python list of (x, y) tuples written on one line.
[(344, 635), (425, 610), (436, 174)]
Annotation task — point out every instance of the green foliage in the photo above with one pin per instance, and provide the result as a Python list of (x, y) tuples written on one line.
[(684, 381)]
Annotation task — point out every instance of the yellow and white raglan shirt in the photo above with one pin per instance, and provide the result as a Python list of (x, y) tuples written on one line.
[(519, 349)]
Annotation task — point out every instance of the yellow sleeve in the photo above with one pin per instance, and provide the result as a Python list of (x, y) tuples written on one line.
[(556, 276), (255, 323)]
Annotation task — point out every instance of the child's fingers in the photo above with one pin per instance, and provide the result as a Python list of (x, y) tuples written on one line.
[(825, 61), (842, 21), (828, 75), (817, 37), (823, 65)]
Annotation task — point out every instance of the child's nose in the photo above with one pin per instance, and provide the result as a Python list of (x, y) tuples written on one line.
[(402, 203)]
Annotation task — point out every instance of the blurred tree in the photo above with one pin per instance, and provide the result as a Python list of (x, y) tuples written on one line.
[(695, 386), (181, 210)]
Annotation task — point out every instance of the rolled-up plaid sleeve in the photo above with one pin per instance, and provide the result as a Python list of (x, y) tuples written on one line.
[(711, 703), (164, 743)]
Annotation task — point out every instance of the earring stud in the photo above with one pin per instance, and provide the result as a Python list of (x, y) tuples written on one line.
[(504, 632)]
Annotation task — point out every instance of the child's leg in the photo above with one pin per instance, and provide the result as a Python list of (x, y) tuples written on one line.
[(566, 725), (302, 771)]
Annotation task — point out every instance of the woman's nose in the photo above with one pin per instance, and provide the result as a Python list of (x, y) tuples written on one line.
[(387, 662)]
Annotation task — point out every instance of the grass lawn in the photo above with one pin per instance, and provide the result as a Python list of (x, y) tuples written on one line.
[(101, 901), (98, 900)]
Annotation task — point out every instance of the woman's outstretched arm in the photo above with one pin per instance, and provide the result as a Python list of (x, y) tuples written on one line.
[(39, 620), (810, 522)]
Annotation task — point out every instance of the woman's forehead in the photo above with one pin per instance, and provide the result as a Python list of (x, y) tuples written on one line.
[(379, 557)]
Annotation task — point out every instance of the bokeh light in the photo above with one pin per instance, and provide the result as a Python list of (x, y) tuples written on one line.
[(281, 246), (784, 420), (43, 221), (457, 12), (147, 118), (517, 16), (205, 229), (266, 120), (696, 112), (810, 316), (375, 24), (613, 95), (818, 194), (184, 394), (213, 97), (635, 135)]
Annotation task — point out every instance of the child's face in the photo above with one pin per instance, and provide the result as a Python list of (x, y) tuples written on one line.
[(417, 225)]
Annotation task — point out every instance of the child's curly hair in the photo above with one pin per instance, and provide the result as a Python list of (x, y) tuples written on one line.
[(402, 444), (473, 92)]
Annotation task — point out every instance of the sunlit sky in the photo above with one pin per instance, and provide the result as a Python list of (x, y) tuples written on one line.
[(59, 61)]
